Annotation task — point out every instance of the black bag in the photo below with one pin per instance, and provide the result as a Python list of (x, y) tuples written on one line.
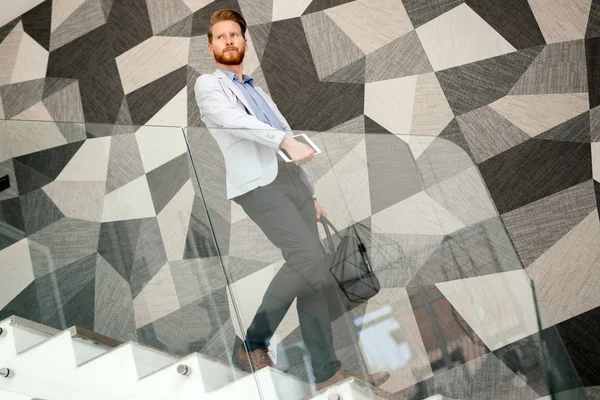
[(352, 280)]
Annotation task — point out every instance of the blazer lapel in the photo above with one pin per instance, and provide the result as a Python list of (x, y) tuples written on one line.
[(238, 93)]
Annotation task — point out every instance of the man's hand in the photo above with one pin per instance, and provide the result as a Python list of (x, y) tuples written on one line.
[(320, 210), (299, 152)]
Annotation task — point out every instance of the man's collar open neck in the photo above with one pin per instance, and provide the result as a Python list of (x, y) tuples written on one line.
[(236, 69)]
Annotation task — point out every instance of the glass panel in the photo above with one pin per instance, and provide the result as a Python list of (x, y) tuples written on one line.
[(455, 313), (128, 231), (562, 380), (110, 234)]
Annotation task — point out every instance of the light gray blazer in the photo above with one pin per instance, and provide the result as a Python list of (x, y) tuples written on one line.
[(249, 146)]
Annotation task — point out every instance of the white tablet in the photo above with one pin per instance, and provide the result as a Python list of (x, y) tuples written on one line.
[(303, 139)]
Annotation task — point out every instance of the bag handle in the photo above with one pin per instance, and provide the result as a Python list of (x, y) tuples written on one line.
[(326, 224)]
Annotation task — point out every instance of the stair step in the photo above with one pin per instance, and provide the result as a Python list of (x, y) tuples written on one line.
[(4, 395), (353, 389), (44, 369), (18, 335), (48, 364), (116, 373), (274, 385), (188, 378)]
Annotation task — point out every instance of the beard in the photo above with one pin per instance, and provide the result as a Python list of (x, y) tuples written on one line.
[(230, 58)]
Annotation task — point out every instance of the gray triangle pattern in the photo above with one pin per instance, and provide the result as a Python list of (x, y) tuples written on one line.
[(53, 85), (488, 133), (595, 124), (123, 117), (331, 48), (404, 56), (574, 130), (353, 73), (182, 28), (336, 144), (149, 257), (125, 255), (88, 16), (580, 200), (256, 11), (260, 36), (560, 68), (113, 315), (193, 112), (476, 250), (355, 125), (20, 96), (471, 86), (421, 12), (124, 162), (166, 13), (65, 105), (107, 7)]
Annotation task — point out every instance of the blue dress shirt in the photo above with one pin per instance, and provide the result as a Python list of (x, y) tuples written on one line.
[(260, 107)]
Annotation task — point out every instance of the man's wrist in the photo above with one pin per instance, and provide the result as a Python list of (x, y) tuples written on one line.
[(284, 143)]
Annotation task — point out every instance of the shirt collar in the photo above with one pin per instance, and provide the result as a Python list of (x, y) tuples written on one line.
[(247, 79)]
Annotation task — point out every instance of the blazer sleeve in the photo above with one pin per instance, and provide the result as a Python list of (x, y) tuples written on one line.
[(218, 112)]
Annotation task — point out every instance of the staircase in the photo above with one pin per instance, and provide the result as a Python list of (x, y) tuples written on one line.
[(42, 363)]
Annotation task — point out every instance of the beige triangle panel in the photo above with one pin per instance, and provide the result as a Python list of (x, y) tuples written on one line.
[(36, 112), (417, 215), (391, 103), (535, 114), (195, 5), (61, 10), (498, 307), (575, 256), (17, 270), (369, 23), (31, 61), (152, 59), (157, 299), (130, 201), (78, 199), (285, 9), (460, 37), (431, 111), (561, 20), (9, 49)]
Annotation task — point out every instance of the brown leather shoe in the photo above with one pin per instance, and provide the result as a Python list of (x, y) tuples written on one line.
[(254, 360), (377, 379)]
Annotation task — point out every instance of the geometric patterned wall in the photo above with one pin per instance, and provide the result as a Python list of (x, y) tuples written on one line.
[(514, 83)]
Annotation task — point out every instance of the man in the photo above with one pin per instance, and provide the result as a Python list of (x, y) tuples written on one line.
[(277, 196)]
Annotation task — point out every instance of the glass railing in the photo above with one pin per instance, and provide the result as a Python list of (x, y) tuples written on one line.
[(128, 231), (455, 306)]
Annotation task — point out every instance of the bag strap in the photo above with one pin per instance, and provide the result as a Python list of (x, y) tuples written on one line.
[(325, 222)]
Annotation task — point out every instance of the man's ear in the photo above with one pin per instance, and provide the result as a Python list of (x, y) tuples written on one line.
[(210, 49)]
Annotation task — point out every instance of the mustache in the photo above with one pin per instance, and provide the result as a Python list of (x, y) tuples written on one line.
[(230, 48)]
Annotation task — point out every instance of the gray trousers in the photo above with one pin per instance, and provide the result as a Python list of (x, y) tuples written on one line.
[(285, 212)]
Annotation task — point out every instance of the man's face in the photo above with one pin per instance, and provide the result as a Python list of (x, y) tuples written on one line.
[(228, 45)]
